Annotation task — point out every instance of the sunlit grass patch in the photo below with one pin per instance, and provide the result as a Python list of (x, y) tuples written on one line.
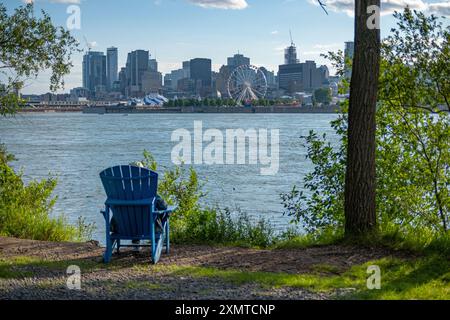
[(11, 268), (423, 278), (25, 266)]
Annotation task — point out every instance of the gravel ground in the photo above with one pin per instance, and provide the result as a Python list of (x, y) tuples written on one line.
[(131, 276)]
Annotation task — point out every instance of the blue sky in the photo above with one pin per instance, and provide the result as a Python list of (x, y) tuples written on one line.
[(177, 30)]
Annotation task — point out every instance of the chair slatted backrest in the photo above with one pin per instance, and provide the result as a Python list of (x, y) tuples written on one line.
[(130, 183)]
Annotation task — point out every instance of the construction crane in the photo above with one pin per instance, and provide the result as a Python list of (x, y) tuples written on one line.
[(88, 44)]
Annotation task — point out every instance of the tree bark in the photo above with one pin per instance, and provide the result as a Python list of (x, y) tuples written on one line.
[(360, 180)]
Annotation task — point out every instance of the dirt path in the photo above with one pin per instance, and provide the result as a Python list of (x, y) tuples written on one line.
[(130, 276)]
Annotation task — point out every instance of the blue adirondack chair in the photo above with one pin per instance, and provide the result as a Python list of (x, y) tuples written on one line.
[(131, 193)]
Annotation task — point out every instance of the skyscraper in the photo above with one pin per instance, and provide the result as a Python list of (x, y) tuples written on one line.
[(94, 71), (290, 74), (312, 78), (111, 66), (290, 77), (186, 69), (123, 81), (237, 60), (290, 54), (324, 73), (296, 77), (222, 80), (348, 53), (349, 49), (151, 82), (200, 70), (175, 76), (137, 64), (153, 65), (270, 77)]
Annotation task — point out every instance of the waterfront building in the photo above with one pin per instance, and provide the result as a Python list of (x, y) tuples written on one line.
[(290, 54), (137, 65), (312, 76), (222, 80), (94, 70), (200, 73), (167, 82), (300, 77), (294, 76), (270, 77), (174, 77), (111, 66), (153, 65), (237, 60), (186, 85), (186, 69), (290, 77), (151, 82), (77, 94), (349, 51), (324, 74), (123, 83)]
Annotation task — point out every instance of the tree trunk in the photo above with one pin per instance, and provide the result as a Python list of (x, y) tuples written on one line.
[(360, 184)]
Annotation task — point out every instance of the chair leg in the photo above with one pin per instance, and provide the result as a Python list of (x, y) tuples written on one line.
[(118, 246), (167, 237), (109, 244), (153, 238), (108, 252), (158, 249)]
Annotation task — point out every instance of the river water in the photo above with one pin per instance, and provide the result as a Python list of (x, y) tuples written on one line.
[(75, 147)]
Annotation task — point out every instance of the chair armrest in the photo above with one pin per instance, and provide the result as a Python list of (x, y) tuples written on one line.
[(169, 210)]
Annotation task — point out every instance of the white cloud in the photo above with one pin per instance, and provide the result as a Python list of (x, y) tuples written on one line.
[(221, 4), (217, 4), (440, 8), (389, 6)]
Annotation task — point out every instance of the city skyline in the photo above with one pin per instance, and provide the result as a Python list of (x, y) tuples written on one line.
[(176, 31)]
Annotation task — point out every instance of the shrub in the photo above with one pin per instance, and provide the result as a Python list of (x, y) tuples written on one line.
[(25, 209), (193, 223)]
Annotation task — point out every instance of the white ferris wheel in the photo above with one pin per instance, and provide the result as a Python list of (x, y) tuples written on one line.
[(247, 83)]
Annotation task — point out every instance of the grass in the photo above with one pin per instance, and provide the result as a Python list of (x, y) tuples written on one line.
[(425, 274), (13, 268), (23, 266), (294, 240), (424, 278), (25, 209), (215, 226)]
